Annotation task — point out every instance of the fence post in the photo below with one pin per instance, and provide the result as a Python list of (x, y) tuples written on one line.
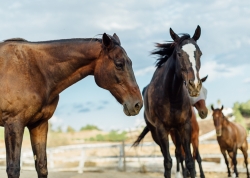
[(81, 162), (122, 157), (51, 160), (222, 161)]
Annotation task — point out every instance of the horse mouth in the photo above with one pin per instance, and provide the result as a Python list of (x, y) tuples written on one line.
[(218, 133), (194, 94)]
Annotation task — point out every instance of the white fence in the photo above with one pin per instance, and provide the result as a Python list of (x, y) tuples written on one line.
[(121, 160)]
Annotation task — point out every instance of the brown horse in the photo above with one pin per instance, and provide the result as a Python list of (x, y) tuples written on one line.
[(166, 99), (200, 104), (33, 74), (230, 137)]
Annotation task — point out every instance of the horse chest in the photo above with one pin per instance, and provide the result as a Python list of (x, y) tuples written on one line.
[(174, 118), (226, 143)]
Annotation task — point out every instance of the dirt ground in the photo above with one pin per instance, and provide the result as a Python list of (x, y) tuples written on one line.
[(108, 174)]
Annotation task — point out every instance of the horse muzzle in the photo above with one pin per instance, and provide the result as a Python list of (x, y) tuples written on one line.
[(194, 90), (218, 132), (132, 109), (203, 114)]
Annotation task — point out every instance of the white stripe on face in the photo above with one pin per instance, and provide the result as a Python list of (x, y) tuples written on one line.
[(190, 49)]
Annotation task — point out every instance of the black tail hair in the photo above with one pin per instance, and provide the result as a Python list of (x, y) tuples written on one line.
[(141, 136)]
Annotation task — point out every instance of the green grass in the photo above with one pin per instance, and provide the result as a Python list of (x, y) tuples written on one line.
[(112, 136)]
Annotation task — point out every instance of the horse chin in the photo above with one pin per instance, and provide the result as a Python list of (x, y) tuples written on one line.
[(125, 110), (218, 133)]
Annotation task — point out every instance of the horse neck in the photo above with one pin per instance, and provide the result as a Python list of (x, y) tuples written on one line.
[(173, 83), (224, 121), (65, 63)]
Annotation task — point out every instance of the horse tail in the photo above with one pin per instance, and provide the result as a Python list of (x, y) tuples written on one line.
[(141, 136)]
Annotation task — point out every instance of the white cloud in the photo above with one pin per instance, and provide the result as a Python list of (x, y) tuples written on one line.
[(217, 71), (247, 80), (57, 122), (147, 70)]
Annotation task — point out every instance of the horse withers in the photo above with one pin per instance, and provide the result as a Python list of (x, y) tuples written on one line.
[(33, 74), (231, 137)]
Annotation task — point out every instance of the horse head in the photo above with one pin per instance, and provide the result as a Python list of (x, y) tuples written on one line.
[(188, 56), (199, 102), (218, 118), (114, 72)]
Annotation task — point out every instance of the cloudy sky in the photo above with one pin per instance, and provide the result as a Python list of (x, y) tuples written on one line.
[(224, 41)]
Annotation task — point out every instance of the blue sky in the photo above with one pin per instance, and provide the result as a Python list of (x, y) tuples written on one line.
[(224, 41)]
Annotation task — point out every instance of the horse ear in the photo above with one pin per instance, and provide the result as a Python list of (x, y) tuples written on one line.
[(197, 33), (117, 38), (212, 107), (174, 36), (222, 107), (106, 41), (204, 79)]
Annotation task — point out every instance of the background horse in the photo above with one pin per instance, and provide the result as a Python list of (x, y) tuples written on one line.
[(32, 75), (230, 136), (200, 104), (166, 99)]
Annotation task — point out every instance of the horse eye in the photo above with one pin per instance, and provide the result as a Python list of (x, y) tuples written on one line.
[(119, 66)]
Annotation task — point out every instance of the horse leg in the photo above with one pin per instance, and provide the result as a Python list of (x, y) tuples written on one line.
[(244, 149), (179, 154), (184, 169), (162, 135), (13, 132), (198, 158), (186, 133), (233, 155), (196, 155), (226, 161), (38, 136)]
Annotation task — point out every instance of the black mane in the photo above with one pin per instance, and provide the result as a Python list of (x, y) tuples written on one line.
[(165, 50)]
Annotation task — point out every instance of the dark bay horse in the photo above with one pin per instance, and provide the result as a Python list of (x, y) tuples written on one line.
[(200, 104), (33, 74), (166, 99), (230, 137)]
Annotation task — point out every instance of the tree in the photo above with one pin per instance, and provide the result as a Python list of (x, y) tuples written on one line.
[(70, 129), (89, 127)]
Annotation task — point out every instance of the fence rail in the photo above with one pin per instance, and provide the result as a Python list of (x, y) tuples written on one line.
[(27, 158)]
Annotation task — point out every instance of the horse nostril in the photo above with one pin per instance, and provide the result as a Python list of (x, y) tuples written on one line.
[(137, 106)]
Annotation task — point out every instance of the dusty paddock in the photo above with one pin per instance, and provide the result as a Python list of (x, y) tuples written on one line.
[(106, 174)]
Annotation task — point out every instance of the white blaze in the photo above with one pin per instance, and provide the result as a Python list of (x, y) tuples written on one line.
[(190, 49)]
